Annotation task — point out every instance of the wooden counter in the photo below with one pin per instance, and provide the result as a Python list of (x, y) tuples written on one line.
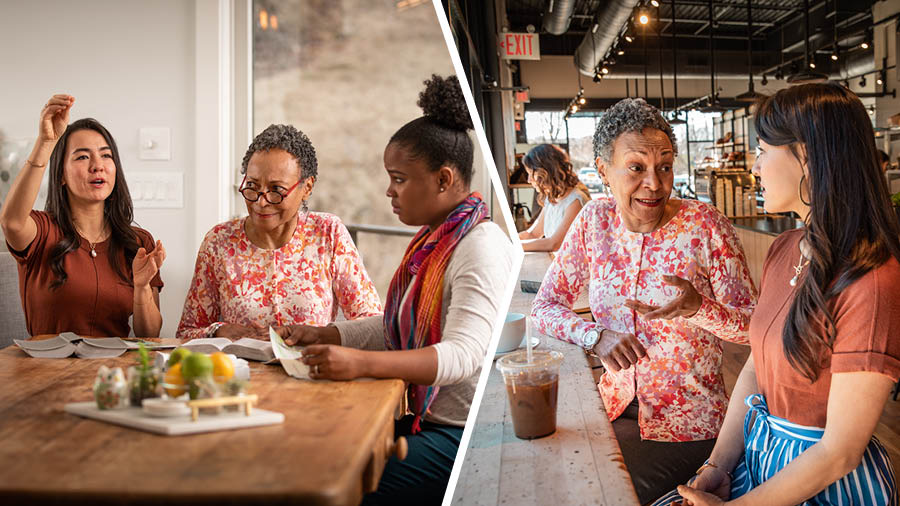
[(329, 450), (579, 464)]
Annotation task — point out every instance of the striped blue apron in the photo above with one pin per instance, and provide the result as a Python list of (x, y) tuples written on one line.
[(771, 443)]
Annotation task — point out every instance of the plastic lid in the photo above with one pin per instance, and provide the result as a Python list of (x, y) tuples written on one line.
[(518, 361)]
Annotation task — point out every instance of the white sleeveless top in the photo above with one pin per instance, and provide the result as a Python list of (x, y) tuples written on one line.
[(554, 213)]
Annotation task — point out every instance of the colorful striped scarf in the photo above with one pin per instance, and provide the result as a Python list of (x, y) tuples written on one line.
[(416, 323)]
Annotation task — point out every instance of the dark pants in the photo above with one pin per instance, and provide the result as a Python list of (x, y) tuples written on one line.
[(656, 467), (422, 477)]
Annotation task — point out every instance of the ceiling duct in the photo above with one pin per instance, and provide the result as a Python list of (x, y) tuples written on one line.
[(558, 16), (597, 42)]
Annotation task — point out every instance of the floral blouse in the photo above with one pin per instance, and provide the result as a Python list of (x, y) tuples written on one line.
[(302, 282), (679, 384)]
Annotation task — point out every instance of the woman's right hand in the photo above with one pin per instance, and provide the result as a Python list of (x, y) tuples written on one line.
[(54, 118), (304, 335), (715, 481), (618, 350), (233, 330)]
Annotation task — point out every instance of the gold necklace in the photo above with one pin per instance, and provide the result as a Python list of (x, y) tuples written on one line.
[(92, 244), (799, 267)]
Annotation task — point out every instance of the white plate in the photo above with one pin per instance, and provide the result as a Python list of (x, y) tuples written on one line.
[(535, 341)]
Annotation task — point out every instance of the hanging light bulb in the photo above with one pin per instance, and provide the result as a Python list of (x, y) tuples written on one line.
[(620, 52), (643, 18), (604, 71), (764, 81), (862, 81), (812, 65), (654, 3), (834, 56), (865, 44), (629, 38), (574, 109), (880, 79), (582, 100)]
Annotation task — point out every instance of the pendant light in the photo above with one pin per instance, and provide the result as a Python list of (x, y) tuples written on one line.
[(750, 95), (713, 105), (676, 120), (806, 75)]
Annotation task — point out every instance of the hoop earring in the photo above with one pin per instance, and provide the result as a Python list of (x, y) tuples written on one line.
[(800, 191)]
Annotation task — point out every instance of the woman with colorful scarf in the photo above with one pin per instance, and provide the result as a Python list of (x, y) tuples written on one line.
[(441, 304)]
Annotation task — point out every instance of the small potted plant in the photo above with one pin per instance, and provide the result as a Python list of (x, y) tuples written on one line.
[(144, 379)]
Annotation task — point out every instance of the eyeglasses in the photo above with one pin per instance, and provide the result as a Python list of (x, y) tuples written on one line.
[(272, 197)]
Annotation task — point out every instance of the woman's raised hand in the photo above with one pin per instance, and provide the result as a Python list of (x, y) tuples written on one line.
[(54, 118), (685, 305), (146, 265)]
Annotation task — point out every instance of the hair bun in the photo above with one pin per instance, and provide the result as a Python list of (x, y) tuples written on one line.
[(443, 102)]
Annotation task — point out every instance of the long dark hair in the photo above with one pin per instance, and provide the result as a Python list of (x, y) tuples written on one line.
[(851, 228), (117, 209), (439, 136), (552, 170)]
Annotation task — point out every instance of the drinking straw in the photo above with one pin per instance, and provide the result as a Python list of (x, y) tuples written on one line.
[(528, 338)]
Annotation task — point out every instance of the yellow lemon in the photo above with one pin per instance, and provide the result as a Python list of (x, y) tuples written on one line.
[(223, 368), (174, 381)]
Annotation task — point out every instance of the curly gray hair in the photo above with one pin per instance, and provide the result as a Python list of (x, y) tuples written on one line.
[(290, 139), (628, 115)]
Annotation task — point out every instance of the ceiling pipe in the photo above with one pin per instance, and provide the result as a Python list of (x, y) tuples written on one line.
[(596, 43), (558, 15)]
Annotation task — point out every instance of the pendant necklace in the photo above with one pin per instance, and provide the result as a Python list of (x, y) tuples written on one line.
[(799, 267), (92, 244)]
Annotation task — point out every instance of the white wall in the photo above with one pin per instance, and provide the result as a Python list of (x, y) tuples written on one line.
[(129, 64)]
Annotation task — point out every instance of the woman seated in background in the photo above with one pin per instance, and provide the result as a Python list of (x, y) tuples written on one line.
[(667, 280), (442, 303), (550, 173), (83, 266), (282, 265), (824, 337)]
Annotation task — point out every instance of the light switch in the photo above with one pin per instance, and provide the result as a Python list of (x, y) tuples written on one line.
[(154, 144), (157, 189)]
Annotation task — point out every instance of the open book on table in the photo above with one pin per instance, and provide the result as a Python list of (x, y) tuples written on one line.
[(68, 344), (245, 347)]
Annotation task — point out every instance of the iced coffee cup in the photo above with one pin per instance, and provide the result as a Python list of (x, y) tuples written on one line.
[(532, 390)]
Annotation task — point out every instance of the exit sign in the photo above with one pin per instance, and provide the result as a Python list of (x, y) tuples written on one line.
[(520, 46)]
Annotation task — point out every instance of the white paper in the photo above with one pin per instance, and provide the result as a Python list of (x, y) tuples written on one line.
[(289, 356)]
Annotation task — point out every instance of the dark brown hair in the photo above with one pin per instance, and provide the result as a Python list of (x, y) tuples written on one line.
[(851, 228), (551, 170), (117, 209)]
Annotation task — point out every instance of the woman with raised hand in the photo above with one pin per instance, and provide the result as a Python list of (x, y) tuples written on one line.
[(442, 303), (824, 337), (282, 265), (83, 266), (667, 281), (550, 173)]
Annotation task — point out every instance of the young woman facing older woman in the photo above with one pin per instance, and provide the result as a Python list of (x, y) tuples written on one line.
[(83, 266), (824, 337)]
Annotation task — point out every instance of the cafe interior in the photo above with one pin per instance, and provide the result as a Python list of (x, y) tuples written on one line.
[(545, 71)]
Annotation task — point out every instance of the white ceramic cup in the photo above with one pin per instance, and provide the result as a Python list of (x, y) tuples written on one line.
[(513, 332)]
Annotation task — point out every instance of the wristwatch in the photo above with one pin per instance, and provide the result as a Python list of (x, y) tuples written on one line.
[(589, 340)]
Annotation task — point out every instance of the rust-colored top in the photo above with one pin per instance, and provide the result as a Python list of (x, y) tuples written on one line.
[(94, 301), (867, 320)]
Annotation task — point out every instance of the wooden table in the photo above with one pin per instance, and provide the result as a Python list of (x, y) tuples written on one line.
[(331, 448), (579, 464)]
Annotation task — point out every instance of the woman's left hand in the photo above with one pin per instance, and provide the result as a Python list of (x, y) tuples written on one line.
[(327, 361), (685, 305), (146, 265), (695, 497)]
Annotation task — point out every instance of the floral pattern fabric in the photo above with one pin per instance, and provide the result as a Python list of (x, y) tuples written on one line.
[(303, 282), (679, 383)]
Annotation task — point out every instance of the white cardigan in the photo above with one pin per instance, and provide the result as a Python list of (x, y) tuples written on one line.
[(476, 276)]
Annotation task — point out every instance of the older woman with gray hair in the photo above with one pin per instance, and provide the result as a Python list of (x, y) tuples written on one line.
[(667, 280), (282, 265)]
